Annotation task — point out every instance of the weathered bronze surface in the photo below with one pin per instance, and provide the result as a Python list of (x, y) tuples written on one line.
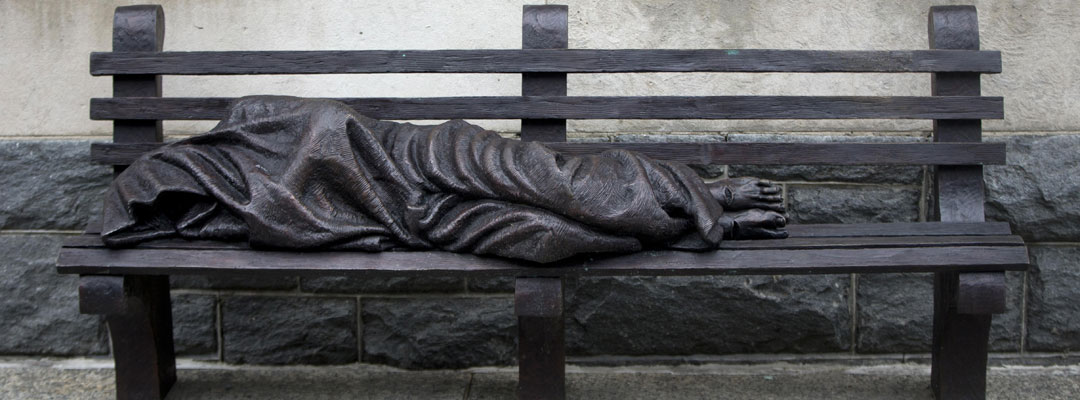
[(283, 172)]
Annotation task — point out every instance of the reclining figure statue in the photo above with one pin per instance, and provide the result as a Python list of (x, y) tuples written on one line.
[(283, 172)]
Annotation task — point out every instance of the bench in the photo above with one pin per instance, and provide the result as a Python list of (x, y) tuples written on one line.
[(967, 255)]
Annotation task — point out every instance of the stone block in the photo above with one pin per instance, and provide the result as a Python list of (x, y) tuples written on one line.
[(1037, 191), (397, 284), (896, 314), (831, 204), (1053, 322), (50, 184), (449, 332), (880, 174), (40, 308), (194, 324), (708, 315), (289, 330)]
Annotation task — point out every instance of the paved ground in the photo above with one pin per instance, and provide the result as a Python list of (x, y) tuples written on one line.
[(92, 379)]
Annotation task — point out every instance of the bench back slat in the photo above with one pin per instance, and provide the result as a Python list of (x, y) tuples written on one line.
[(592, 107), (544, 107), (725, 153), (539, 60)]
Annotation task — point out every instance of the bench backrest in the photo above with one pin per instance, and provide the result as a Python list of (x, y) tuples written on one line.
[(954, 61)]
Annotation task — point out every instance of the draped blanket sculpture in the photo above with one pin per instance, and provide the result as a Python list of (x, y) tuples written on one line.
[(283, 172)]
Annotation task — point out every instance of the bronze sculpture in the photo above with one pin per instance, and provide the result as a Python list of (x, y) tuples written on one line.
[(283, 172)]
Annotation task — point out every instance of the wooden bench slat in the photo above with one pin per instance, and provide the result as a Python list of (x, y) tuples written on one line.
[(806, 261), (805, 153), (94, 241), (539, 60), (592, 107), (724, 153), (842, 230), (901, 229)]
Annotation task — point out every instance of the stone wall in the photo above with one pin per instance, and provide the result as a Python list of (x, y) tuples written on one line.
[(52, 190)]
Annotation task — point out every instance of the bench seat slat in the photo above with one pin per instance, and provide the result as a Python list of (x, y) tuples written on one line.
[(743, 261), (94, 241), (801, 230), (724, 153), (901, 229), (540, 60), (591, 107), (819, 248)]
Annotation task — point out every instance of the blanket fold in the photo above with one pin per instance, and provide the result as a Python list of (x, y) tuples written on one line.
[(284, 172)]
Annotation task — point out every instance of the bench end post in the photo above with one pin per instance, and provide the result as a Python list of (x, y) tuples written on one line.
[(538, 305), (138, 311), (964, 303), (544, 27), (137, 28)]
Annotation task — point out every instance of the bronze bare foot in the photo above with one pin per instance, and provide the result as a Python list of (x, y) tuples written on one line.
[(747, 193), (754, 224)]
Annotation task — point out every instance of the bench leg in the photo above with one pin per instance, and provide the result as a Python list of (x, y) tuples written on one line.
[(138, 312), (538, 304), (963, 307)]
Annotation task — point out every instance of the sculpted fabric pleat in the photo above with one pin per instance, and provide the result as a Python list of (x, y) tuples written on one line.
[(283, 172)]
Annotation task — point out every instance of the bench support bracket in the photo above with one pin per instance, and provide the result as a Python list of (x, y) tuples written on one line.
[(138, 312), (538, 304)]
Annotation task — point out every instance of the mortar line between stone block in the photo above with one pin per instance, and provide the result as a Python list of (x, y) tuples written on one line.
[(440, 296), (468, 386), (1023, 315), (827, 132), (858, 184), (220, 331), (38, 232), (853, 306), (108, 336), (743, 359), (924, 192), (839, 131), (784, 200), (291, 293), (359, 330), (46, 138), (1054, 244)]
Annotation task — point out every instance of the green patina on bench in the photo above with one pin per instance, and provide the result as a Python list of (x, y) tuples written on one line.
[(967, 255)]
